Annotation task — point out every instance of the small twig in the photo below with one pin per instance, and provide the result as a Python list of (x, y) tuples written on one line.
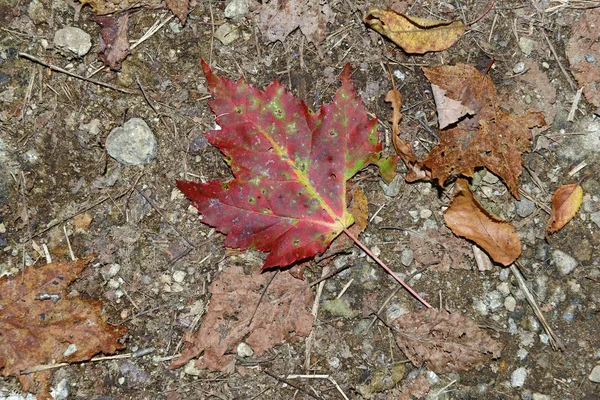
[(150, 32), (346, 286), (44, 367), (555, 342), (565, 73), (385, 267), (482, 15), (315, 312), (575, 104), (83, 78), (262, 295), (328, 377), (329, 275), (69, 244), (212, 36), (282, 380)]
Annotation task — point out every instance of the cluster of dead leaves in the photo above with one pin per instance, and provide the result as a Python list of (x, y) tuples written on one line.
[(40, 324)]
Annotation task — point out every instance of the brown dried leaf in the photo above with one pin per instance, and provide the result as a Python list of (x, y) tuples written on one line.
[(441, 246), (584, 43), (446, 342), (179, 8), (417, 388), (449, 110), (114, 39), (38, 321), (282, 316), (103, 7), (467, 218), (413, 34), (565, 203), (403, 148), (278, 18)]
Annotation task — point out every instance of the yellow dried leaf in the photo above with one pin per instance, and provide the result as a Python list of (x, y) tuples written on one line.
[(415, 35), (565, 203)]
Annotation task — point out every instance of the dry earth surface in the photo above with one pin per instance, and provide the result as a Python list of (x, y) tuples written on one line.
[(55, 174)]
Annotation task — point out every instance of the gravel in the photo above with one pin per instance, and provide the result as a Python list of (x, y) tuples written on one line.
[(517, 378), (132, 144), (565, 264), (73, 41)]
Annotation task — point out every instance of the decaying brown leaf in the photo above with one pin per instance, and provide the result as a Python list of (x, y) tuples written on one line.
[(441, 247), (415, 35), (403, 148), (449, 110), (40, 324), (114, 39), (278, 18), (565, 203), (446, 342), (467, 218), (416, 388), (281, 316), (104, 7), (489, 138)]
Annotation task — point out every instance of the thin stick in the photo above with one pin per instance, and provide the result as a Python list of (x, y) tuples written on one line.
[(39, 368), (571, 115), (346, 286), (69, 244), (482, 15), (262, 295), (385, 267), (272, 375), (83, 78), (150, 32), (212, 36), (328, 377), (315, 312), (565, 73), (555, 342), (329, 275)]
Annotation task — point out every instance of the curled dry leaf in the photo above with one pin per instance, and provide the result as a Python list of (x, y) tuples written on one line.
[(403, 148), (467, 218), (38, 322), (490, 138), (114, 39), (415, 35), (283, 315), (565, 203), (446, 342)]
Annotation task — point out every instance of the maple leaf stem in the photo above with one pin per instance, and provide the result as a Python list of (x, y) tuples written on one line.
[(385, 267)]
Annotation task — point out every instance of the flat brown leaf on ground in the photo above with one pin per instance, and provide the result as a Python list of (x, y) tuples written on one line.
[(440, 246), (413, 34), (39, 322), (446, 342), (490, 138), (278, 18), (283, 315), (449, 110), (582, 50), (467, 218), (416, 388), (104, 7), (565, 203), (114, 39)]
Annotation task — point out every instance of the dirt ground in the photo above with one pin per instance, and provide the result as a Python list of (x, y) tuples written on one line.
[(54, 167)]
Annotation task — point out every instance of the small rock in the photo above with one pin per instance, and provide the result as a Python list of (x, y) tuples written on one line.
[(517, 378), (190, 369), (132, 144), (565, 264), (524, 207), (510, 303), (490, 178), (504, 288), (519, 67), (526, 45), (595, 217), (74, 40), (589, 58), (339, 308), (407, 257), (71, 349), (545, 65), (496, 300), (414, 214), (399, 74), (179, 276), (236, 9), (539, 396), (480, 307), (60, 392), (595, 374), (334, 363), (393, 188), (227, 33), (425, 213), (522, 354), (244, 350), (395, 311), (111, 271)]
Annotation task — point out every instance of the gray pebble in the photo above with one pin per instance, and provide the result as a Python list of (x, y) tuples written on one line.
[(334, 362), (74, 40), (565, 264), (393, 188), (526, 45), (227, 33), (540, 396), (595, 217), (61, 391), (510, 303), (589, 58), (236, 9), (504, 274), (595, 374), (517, 378), (395, 311), (513, 329), (519, 67), (407, 257), (496, 300), (132, 144), (524, 207)]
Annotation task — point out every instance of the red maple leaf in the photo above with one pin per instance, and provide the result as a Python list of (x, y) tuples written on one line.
[(290, 166)]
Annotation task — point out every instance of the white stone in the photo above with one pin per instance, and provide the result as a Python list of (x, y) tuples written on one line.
[(179, 276), (504, 288), (519, 67), (425, 213), (517, 378), (71, 348), (407, 257), (595, 374), (190, 369), (244, 350), (565, 264), (236, 9), (526, 45), (61, 391), (227, 33), (74, 40), (132, 144), (510, 303)]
